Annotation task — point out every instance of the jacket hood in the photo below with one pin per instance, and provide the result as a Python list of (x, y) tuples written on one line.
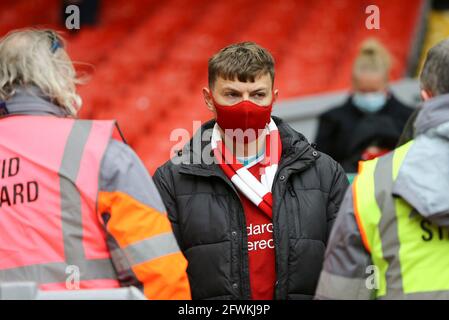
[(434, 113), (423, 179)]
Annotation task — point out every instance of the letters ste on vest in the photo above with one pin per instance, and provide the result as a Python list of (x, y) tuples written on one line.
[(409, 250), (16, 193), (432, 232)]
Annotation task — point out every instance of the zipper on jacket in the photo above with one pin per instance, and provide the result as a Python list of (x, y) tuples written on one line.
[(244, 286), (292, 192), (244, 290), (275, 230)]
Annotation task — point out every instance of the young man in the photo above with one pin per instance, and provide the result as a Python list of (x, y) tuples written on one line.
[(254, 222)]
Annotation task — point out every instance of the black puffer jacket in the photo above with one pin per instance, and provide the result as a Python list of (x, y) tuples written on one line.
[(209, 222)]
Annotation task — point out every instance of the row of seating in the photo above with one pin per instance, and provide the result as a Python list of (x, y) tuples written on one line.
[(148, 58)]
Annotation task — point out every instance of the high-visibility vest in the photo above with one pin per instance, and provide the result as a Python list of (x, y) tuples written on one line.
[(411, 254), (49, 179)]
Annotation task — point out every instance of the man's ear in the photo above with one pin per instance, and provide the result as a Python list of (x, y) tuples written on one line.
[(276, 94), (426, 94), (208, 99)]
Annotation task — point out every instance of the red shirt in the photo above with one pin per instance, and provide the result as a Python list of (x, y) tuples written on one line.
[(261, 255)]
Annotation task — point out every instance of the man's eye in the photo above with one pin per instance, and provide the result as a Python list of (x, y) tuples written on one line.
[(231, 94), (260, 95)]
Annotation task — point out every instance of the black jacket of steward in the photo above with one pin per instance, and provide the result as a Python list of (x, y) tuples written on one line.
[(345, 132), (209, 223)]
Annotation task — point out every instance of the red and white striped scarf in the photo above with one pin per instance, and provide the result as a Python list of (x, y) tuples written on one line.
[(258, 192)]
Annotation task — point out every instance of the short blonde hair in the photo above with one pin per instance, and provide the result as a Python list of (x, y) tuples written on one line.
[(372, 58), (37, 57)]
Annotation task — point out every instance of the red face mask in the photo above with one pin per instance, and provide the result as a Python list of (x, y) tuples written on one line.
[(243, 115)]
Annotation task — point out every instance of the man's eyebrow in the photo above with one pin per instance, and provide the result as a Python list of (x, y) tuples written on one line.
[(230, 88), (260, 89)]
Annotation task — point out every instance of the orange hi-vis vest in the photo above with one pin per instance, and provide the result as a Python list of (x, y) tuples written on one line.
[(49, 179)]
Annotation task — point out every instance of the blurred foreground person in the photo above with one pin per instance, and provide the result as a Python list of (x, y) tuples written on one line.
[(371, 121), (391, 237), (77, 207), (251, 202)]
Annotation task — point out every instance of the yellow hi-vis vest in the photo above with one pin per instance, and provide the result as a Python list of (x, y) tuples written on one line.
[(411, 254)]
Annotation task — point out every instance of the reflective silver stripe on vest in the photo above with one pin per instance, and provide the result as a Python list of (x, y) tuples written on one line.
[(58, 272), (432, 295), (388, 225), (148, 249), (388, 228), (70, 197), (332, 286), (72, 229)]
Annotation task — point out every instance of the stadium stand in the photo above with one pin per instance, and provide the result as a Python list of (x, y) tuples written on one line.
[(150, 57), (437, 30)]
